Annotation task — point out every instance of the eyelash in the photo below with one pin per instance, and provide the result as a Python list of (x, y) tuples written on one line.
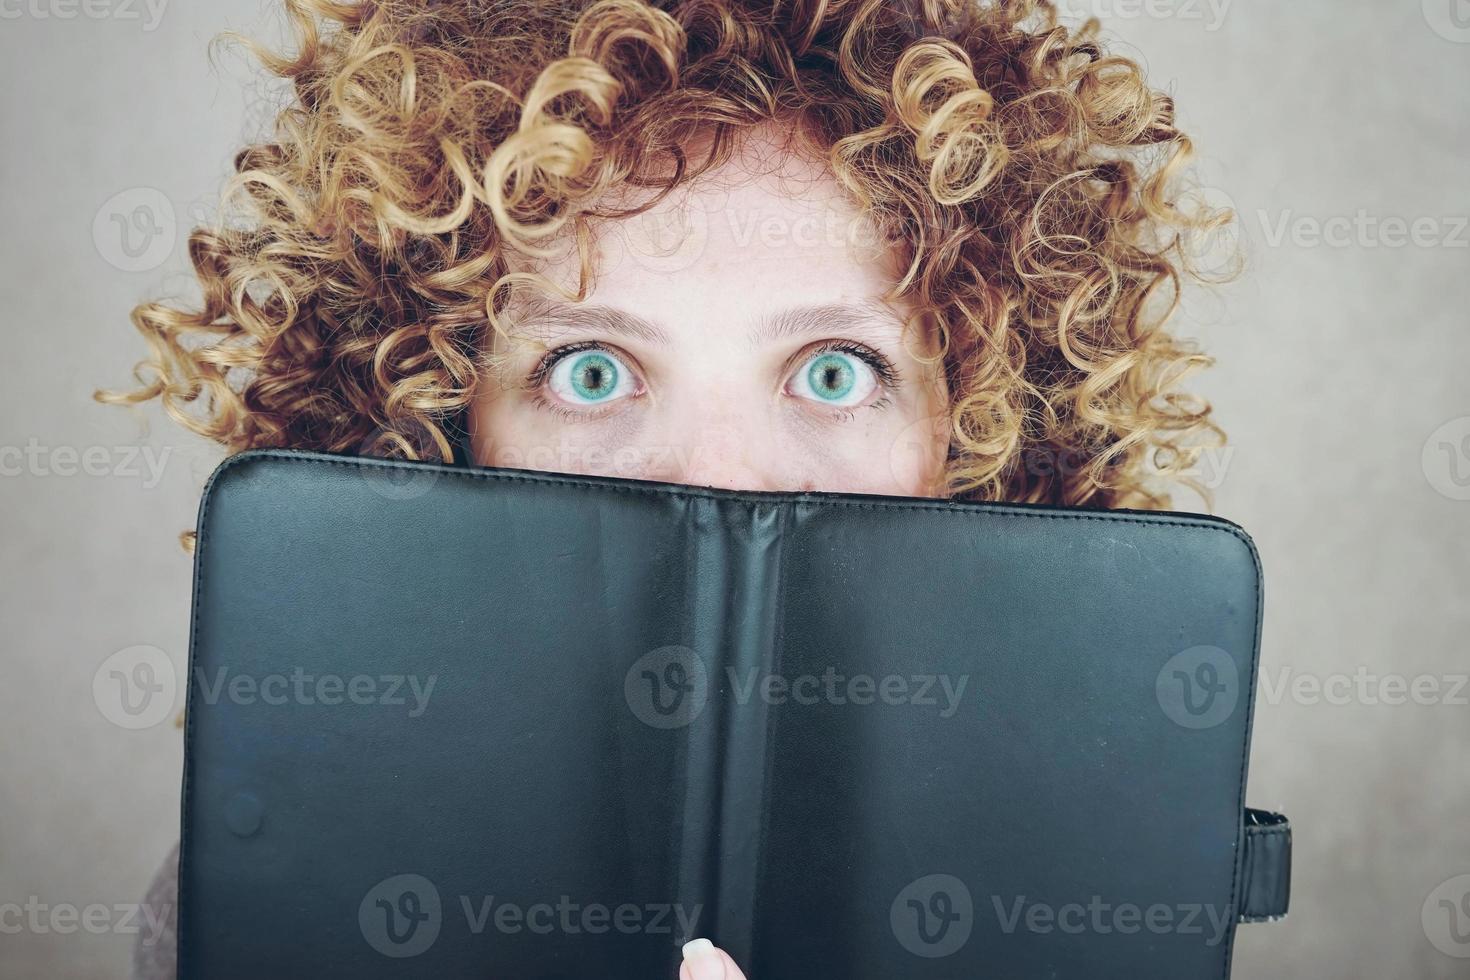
[(550, 359), (881, 366), (539, 400)]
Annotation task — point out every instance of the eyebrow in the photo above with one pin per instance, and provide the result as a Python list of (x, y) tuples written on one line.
[(541, 316), (867, 317)]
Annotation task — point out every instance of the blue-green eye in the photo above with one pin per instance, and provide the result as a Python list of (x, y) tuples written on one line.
[(835, 378), (590, 377)]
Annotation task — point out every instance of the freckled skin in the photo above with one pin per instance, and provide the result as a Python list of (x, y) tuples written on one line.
[(709, 406)]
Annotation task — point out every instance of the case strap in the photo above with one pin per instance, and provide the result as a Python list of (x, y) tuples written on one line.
[(1266, 877)]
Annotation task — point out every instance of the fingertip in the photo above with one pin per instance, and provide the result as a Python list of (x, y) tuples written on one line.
[(702, 961), (732, 972)]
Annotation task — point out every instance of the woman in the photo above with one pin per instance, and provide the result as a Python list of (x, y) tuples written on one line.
[(920, 247)]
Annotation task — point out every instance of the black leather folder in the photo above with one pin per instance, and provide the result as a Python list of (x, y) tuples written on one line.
[(456, 722)]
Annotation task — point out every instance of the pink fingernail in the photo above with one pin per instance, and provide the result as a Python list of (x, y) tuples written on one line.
[(703, 960)]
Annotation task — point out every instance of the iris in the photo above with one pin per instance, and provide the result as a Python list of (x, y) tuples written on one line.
[(594, 376), (831, 376)]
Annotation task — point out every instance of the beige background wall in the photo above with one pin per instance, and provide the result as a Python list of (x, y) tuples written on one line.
[(1343, 355)]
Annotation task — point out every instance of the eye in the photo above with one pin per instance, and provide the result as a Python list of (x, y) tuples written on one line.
[(835, 378), (590, 377)]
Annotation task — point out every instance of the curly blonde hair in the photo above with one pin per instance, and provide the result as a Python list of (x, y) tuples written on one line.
[(1029, 181)]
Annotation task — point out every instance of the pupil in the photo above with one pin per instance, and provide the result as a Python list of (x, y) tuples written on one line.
[(594, 377), (831, 377)]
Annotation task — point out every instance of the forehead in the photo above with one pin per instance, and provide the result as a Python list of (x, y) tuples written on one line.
[(769, 225)]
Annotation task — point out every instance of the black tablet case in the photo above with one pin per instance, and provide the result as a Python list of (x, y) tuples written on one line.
[(593, 768)]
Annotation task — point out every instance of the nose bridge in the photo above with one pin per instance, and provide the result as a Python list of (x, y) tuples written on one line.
[(721, 448)]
